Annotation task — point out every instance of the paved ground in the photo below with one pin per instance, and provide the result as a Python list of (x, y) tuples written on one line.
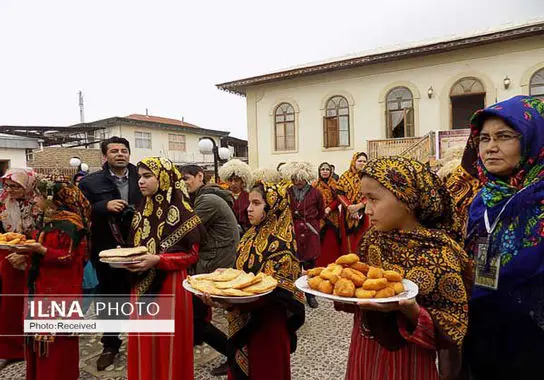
[(321, 354)]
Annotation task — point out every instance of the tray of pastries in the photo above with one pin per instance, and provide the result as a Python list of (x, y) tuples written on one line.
[(231, 285), (10, 240), (349, 280)]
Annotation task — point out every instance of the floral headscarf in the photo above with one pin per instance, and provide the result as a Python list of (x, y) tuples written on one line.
[(427, 255), (327, 188), (518, 236), (166, 221), (19, 215), (269, 247)]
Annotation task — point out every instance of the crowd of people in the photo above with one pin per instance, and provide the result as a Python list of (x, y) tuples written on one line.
[(471, 239)]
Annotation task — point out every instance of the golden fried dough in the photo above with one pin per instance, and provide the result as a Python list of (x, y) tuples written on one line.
[(329, 275), (314, 282), (355, 276), (315, 271), (344, 288), (361, 267), (349, 259), (222, 275), (325, 287), (396, 286), (362, 293), (335, 268), (392, 276), (236, 292), (385, 293), (375, 273), (375, 284)]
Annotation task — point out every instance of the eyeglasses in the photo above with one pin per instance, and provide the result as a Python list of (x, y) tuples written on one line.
[(500, 138), (13, 186)]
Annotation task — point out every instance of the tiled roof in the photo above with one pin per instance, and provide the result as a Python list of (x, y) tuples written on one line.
[(158, 119), (239, 86)]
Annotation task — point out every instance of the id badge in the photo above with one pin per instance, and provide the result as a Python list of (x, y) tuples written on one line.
[(487, 268)]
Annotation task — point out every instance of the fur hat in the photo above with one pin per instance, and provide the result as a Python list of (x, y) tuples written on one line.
[(451, 160), (237, 168), (266, 175), (301, 170)]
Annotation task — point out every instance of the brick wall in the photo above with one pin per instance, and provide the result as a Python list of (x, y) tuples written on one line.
[(60, 157)]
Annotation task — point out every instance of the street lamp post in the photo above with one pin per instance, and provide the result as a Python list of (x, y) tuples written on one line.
[(207, 145)]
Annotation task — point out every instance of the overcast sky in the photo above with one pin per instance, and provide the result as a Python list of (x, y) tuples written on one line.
[(167, 56)]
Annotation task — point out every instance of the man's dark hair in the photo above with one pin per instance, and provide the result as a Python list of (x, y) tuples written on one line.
[(113, 140), (191, 169)]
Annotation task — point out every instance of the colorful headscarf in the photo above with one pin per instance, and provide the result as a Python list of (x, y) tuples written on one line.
[(327, 188), (348, 187), (19, 215), (518, 236), (269, 247), (165, 222), (428, 255)]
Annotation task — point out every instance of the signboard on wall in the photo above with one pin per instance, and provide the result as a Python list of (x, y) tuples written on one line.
[(451, 138)]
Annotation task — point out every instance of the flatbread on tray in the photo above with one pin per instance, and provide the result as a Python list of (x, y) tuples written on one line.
[(266, 284), (122, 252), (243, 280), (222, 275)]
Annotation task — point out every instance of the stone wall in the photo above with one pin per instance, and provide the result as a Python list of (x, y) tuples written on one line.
[(59, 158)]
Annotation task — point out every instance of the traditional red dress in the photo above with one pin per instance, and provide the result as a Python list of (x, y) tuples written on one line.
[(330, 233), (368, 360), (307, 216), (167, 357), (60, 272)]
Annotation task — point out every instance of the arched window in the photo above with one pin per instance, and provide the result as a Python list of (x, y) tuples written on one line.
[(467, 96), (336, 123), (400, 113), (284, 132), (536, 85)]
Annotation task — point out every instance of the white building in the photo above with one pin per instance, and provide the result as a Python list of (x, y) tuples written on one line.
[(13, 150), (325, 111)]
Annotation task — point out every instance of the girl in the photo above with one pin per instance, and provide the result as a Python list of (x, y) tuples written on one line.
[(411, 215), (58, 254), (166, 224)]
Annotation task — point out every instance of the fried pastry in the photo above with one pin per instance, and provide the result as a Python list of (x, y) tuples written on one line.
[(344, 288), (392, 276), (398, 287), (236, 292), (385, 293), (315, 271), (335, 268), (361, 267), (221, 275), (363, 293), (314, 282), (243, 280), (325, 287), (355, 276), (374, 273), (348, 259), (375, 284), (329, 275)]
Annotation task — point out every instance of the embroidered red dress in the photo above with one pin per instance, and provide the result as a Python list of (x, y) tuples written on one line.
[(60, 272), (241, 203), (167, 357), (330, 233)]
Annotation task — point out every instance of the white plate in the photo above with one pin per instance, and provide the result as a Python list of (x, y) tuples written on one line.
[(119, 264), (11, 246), (229, 299), (410, 291)]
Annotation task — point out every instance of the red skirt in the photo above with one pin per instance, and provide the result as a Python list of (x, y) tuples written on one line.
[(351, 242), (11, 310), (61, 362), (330, 248)]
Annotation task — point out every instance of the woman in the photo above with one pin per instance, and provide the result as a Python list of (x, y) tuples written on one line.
[(262, 334), (58, 254), (18, 213), (505, 237), (308, 210), (412, 217), (330, 234), (237, 175), (353, 222), (166, 224)]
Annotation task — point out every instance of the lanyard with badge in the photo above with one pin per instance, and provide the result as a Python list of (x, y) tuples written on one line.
[(488, 268)]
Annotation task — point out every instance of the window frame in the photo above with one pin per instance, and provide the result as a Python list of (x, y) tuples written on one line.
[(183, 143), (333, 120), (286, 123), (408, 117), (139, 138), (539, 72)]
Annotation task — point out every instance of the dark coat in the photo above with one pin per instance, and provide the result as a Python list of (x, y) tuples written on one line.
[(311, 210), (99, 188), (218, 249)]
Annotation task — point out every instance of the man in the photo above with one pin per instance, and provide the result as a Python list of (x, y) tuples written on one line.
[(333, 172), (113, 193), (218, 250)]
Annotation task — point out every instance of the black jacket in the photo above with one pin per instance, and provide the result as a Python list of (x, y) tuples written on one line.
[(100, 188)]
